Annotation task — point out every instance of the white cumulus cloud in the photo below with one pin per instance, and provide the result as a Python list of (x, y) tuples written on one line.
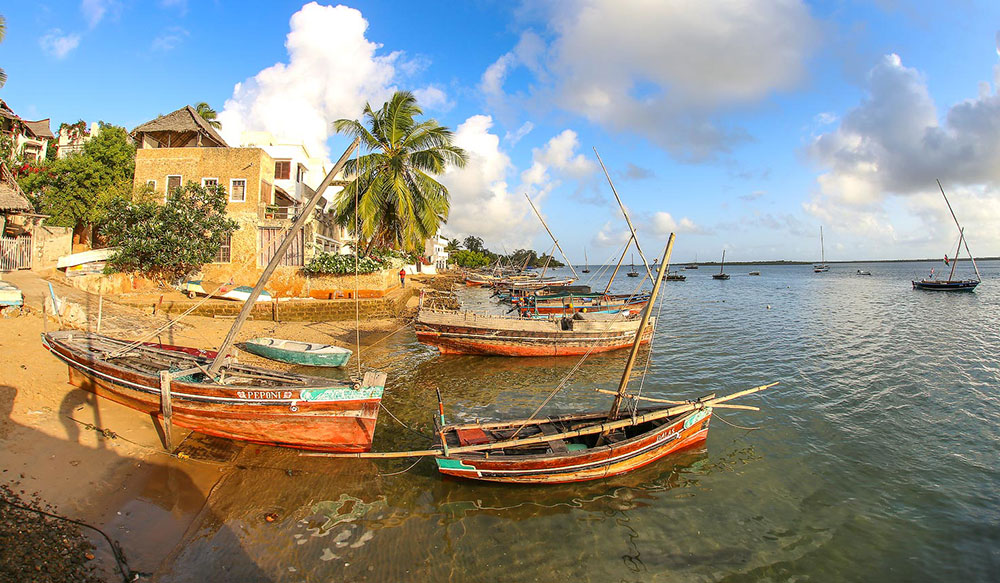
[(332, 71), (57, 44), (886, 153)]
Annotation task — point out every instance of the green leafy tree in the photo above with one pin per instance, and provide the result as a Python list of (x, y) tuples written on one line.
[(401, 204), (453, 245), (3, 34), (470, 259), (474, 244), (168, 241), (75, 191), (208, 114)]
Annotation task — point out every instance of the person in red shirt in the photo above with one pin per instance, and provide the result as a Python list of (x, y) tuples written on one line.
[(402, 277)]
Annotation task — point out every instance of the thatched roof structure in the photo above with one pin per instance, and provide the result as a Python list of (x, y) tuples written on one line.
[(34, 129), (40, 128), (11, 197), (183, 128)]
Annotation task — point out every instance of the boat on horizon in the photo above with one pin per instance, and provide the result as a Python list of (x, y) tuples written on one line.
[(722, 274), (822, 267), (952, 284)]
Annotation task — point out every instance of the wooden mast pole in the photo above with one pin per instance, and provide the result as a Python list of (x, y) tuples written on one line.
[(539, 215), (971, 256), (628, 221), (954, 261), (617, 266), (722, 266), (623, 385), (279, 254)]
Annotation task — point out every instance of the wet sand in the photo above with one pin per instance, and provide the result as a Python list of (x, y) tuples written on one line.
[(105, 464)]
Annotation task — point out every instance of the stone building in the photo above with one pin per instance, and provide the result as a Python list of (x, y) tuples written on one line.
[(181, 147)]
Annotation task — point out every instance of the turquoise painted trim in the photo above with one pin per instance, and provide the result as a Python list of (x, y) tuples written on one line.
[(453, 464), (697, 417), (297, 356), (340, 394)]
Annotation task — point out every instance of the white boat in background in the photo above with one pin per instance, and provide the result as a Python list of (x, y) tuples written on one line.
[(85, 262), (822, 267)]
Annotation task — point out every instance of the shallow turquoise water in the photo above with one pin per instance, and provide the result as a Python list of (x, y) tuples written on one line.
[(875, 459)]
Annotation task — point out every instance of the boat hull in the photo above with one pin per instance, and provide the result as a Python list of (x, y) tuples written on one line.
[(592, 464), (466, 333), (322, 418), (301, 357), (946, 285)]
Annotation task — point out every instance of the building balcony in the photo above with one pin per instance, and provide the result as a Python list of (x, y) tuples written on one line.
[(278, 212)]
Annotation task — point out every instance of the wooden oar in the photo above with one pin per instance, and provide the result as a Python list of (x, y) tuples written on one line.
[(668, 401), (589, 430)]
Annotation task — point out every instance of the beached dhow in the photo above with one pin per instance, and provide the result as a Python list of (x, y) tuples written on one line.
[(241, 402)]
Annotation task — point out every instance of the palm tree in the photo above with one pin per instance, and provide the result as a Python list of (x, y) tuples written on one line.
[(3, 33), (208, 114), (400, 203)]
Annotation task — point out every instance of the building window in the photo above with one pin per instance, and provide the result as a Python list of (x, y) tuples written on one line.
[(237, 190), (225, 251), (151, 184), (173, 182), (300, 174), (282, 169), (209, 182), (265, 192)]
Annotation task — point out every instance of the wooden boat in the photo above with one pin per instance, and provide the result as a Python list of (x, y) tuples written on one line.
[(240, 293), (632, 272), (952, 284), (570, 304), (453, 332), (577, 447), (822, 267), (722, 274), (674, 276), (864, 272), (758, 273), (586, 263), (242, 402), (212, 394), (295, 352)]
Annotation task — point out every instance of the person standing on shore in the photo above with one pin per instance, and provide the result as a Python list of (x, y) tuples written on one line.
[(402, 277)]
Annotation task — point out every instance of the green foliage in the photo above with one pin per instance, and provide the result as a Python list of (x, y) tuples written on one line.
[(453, 245), (77, 190), (334, 263), (400, 204), (170, 241), (208, 114), (474, 244), (469, 259)]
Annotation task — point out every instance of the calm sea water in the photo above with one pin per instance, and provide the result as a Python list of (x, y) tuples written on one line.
[(875, 459)]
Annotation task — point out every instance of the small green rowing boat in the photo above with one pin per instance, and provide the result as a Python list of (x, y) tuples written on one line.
[(294, 352)]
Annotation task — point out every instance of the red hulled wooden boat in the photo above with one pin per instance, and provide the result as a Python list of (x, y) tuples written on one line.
[(577, 447), (454, 332), (570, 304), (242, 402)]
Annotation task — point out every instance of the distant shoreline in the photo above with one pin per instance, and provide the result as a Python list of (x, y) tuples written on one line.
[(784, 262)]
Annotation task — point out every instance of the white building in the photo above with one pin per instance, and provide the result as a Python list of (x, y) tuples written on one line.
[(435, 253), (72, 137), (297, 175)]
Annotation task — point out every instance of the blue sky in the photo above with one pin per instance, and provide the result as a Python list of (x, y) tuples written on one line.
[(739, 124)]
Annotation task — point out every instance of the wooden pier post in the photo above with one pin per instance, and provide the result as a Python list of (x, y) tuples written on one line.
[(166, 406)]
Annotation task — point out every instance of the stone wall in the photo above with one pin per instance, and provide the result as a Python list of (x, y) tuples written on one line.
[(50, 243), (291, 282), (305, 310)]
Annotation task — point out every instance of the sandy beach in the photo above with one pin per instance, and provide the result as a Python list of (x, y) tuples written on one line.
[(102, 463)]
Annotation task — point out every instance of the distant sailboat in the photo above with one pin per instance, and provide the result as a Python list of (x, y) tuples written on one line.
[(586, 264), (721, 274), (822, 267), (693, 264), (633, 272), (952, 284)]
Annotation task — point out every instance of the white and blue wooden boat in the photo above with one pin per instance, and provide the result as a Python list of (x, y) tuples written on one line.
[(295, 352)]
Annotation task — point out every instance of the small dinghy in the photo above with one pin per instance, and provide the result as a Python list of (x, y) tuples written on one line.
[(294, 352)]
